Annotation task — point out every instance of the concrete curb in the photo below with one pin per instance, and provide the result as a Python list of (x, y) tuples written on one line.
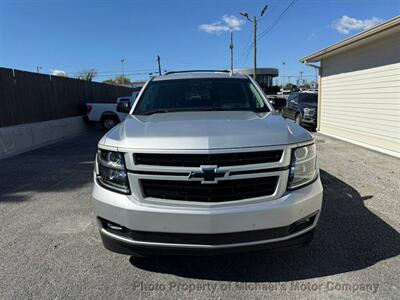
[(25, 137)]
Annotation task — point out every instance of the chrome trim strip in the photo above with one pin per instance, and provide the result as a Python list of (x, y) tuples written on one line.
[(256, 171), (136, 172), (232, 173), (206, 151), (201, 246), (156, 173)]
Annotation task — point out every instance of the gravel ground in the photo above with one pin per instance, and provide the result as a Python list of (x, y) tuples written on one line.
[(50, 247)]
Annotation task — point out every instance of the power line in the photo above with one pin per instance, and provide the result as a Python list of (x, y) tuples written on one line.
[(246, 52), (250, 43), (254, 22), (113, 71), (297, 75), (274, 5), (284, 12), (126, 74)]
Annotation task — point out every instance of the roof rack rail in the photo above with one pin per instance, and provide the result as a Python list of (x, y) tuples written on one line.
[(197, 71)]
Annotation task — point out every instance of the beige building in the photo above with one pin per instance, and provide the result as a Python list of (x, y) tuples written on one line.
[(359, 98)]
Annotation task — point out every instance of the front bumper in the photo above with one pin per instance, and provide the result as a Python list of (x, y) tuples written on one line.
[(309, 120), (120, 245), (265, 221)]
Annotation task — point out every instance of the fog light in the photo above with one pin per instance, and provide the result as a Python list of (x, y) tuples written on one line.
[(114, 226), (303, 223)]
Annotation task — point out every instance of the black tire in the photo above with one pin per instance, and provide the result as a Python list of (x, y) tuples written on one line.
[(297, 119), (109, 122)]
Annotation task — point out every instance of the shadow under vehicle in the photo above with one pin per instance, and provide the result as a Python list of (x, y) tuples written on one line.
[(349, 237)]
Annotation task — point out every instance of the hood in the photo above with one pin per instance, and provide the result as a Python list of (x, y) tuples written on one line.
[(204, 131)]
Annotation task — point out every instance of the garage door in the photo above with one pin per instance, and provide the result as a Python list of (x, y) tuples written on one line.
[(362, 106)]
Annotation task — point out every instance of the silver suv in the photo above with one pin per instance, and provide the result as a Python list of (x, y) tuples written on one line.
[(204, 165)]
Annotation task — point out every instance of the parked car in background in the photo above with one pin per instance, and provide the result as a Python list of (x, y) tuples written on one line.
[(284, 94), (107, 113), (277, 101), (311, 91), (302, 108)]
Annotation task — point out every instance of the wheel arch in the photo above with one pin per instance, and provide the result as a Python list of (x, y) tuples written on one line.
[(109, 114)]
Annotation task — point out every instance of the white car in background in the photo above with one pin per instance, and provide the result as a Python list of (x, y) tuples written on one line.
[(284, 94), (106, 113)]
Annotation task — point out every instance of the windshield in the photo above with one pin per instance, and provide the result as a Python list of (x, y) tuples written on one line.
[(200, 94), (309, 98)]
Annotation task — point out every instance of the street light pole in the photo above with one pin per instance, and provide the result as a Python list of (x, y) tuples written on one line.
[(123, 75), (246, 15)]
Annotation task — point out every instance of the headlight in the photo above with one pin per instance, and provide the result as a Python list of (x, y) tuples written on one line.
[(309, 111), (111, 172), (303, 169)]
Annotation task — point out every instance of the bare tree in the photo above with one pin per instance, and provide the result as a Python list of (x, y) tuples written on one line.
[(87, 75), (119, 80)]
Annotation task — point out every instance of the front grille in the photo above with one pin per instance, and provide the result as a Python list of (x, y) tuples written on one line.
[(310, 113), (196, 160), (225, 190)]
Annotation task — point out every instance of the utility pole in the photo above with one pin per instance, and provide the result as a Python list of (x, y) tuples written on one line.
[(301, 77), (255, 47), (246, 15), (159, 64), (283, 77), (231, 47), (38, 69), (316, 76), (123, 75)]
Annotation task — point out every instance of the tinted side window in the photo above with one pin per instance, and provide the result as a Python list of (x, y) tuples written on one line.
[(294, 98), (309, 98)]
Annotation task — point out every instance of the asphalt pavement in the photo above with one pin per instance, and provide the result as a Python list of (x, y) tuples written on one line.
[(50, 247)]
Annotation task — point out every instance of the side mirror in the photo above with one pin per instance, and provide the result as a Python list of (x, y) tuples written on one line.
[(279, 103), (124, 107)]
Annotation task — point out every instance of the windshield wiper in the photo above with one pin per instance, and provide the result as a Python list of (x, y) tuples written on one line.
[(156, 111), (159, 111), (185, 109), (232, 109)]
